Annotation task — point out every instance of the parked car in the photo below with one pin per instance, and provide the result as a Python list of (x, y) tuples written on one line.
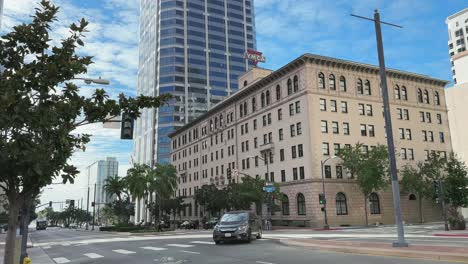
[(41, 225), (211, 223), (237, 225)]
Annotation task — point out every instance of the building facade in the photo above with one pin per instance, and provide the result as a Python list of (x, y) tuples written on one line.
[(458, 39), (302, 114)]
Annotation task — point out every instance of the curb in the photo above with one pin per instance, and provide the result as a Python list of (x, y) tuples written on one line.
[(416, 254)]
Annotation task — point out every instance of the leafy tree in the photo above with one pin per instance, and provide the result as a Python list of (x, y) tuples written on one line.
[(211, 198), (456, 183), (414, 181), (370, 169), (115, 185), (38, 118)]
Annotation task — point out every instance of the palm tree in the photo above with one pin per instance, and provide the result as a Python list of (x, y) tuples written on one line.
[(163, 181), (114, 185), (136, 181)]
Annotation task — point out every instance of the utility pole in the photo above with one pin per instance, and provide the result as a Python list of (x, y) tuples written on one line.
[(388, 123)]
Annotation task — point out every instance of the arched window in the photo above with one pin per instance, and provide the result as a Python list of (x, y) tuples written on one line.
[(245, 108), (321, 81), (426, 96), (211, 124), (420, 96), (278, 92), (263, 100), (342, 84), (397, 92), (245, 83), (285, 205), (412, 197), (341, 205), (331, 82), (296, 84), (216, 123), (267, 95), (289, 86), (367, 88), (241, 110), (301, 205), (360, 87), (220, 120), (404, 93), (374, 203), (436, 98), (254, 105)]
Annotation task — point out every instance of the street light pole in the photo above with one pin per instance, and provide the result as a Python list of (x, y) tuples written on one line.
[(94, 207), (388, 128), (267, 182), (326, 226)]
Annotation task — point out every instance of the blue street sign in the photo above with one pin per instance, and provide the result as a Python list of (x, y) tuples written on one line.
[(269, 188)]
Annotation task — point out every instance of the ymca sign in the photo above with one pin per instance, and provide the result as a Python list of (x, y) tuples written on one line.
[(254, 56)]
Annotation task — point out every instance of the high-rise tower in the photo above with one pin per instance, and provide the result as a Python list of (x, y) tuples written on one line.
[(194, 50)]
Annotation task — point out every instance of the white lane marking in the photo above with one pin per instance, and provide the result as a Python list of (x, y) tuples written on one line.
[(190, 252), (46, 247), (154, 248), (123, 251), (180, 245), (203, 242), (263, 262), (66, 244), (61, 260), (93, 255)]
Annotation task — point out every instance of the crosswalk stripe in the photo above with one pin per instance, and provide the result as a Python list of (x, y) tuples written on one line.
[(154, 248), (203, 242), (93, 255), (180, 245), (61, 260), (123, 251), (190, 252)]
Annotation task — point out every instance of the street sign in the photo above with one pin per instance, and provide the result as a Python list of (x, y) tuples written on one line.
[(269, 188)]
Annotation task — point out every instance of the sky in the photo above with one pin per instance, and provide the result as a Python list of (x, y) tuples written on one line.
[(285, 30)]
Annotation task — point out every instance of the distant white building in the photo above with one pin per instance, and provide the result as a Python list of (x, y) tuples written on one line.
[(458, 37), (97, 174)]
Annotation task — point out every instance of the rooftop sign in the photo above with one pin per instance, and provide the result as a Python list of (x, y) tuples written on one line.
[(254, 56)]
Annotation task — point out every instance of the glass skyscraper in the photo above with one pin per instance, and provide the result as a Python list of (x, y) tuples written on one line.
[(194, 50)]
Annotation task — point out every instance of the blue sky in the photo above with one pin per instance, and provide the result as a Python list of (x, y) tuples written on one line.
[(285, 30)]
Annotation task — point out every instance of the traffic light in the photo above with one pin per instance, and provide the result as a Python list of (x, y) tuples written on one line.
[(228, 172), (322, 199), (50, 204), (72, 203), (92, 204), (126, 129)]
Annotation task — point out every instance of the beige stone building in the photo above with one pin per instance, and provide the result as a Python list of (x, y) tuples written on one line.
[(302, 114)]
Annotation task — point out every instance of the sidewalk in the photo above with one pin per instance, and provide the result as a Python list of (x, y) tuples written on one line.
[(37, 254), (420, 251)]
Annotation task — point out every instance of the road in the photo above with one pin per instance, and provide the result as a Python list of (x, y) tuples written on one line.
[(70, 246)]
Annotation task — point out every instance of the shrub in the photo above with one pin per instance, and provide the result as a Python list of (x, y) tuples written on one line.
[(107, 228)]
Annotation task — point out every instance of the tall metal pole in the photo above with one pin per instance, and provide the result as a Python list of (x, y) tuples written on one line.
[(322, 164), (444, 206), (391, 148), (94, 207), (269, 196)]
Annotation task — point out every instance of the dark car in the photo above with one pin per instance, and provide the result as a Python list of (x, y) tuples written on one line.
[(237, 225), (41, 225)]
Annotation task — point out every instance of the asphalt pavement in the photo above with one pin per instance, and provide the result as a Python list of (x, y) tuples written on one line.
[(70, 246)]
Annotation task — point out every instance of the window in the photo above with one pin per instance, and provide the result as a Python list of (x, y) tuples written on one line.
[(295, 174), (301, 205), (367, 88), (324, 126), (327, 171), (245, 108), (280, 134), (278, 93), (300, 151), (292, 129), (335, 128), (408, 134), (428, 117), (344, 107), (331, 82), (289, 86), (346, 128), (420, 96), (341, 206), (439, 119), (374, 203), (363, 130), (361, 109), (255, 142), (281, 154), (431, 136), (299, 128), (325, 149), (404, 93), (339, 172), (255, 124), (267, 96), (342, 84), (402, 133), (301, 173), (321, 81), (264, 118), (410, 154), (403, 154), (422, 117), (397, 92), (254, 105), (296, 84), (336, 148), (323, 104), (412, 197), (400, 113), (424, 132), (333, 105), (262, 97), (241, 111), (269, 118), (291, 109), (406, 114), (293, 152), (441, 137), (283, 175), (369, 110), (436, 98), (426, 97), (360, 87), (285, 201)]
